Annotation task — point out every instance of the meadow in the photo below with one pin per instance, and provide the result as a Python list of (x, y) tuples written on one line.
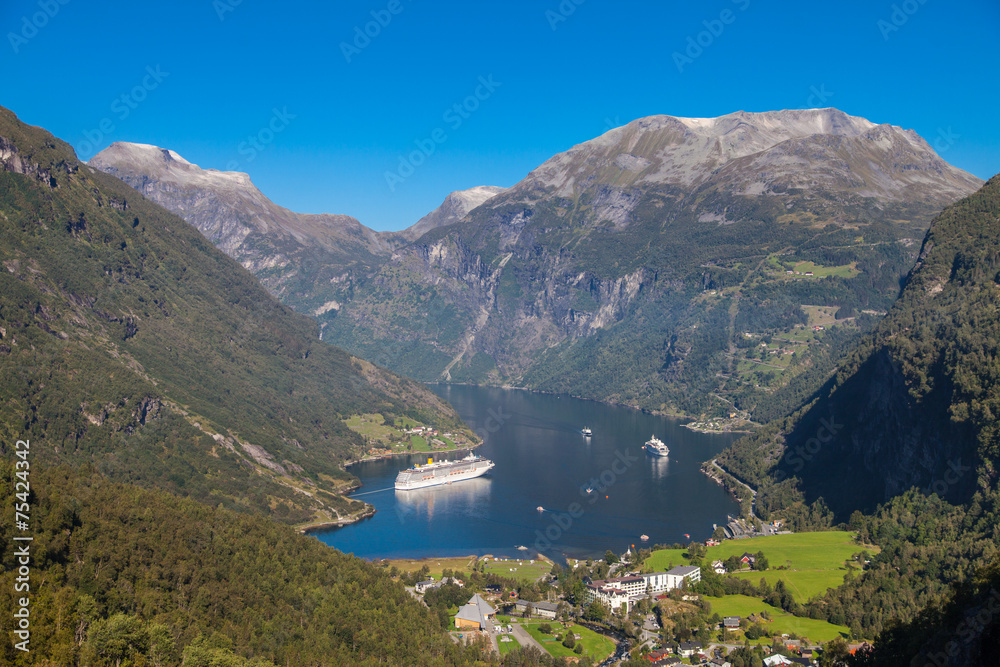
[(521, 570), (597, 647), (436, 565), (812, 562), (781, 622)]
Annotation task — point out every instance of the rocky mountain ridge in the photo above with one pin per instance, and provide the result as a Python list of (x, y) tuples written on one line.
[(455, 207), (630, 267), (547, 284)]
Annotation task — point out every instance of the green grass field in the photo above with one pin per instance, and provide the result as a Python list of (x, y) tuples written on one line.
[(821, 315), (818, 271), (804, 584), (598, 647), (506, 646), (814, 561), (741, 605), (806, 551), (522, 570), (373, 427), (436, 565)]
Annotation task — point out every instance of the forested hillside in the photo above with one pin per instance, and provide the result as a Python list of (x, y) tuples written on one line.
[(902, 445), (964, 630), (128, 576), (128, 341), (915, 404)]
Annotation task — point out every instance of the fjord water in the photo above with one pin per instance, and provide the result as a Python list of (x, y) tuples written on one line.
[(542, 459)]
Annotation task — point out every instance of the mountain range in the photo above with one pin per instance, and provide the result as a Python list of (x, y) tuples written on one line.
[(130, 342), (643, 267), (301, 258)]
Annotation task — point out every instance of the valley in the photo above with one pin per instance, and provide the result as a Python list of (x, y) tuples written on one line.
[(681, 345)]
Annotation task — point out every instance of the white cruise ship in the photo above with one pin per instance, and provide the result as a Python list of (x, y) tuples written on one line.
[(656, 447), (442, 472)]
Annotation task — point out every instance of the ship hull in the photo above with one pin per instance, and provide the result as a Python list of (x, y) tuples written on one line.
[(657, 453), (421, 479)]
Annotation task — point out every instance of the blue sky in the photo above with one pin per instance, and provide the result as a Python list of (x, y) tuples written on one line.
[(271, 89)]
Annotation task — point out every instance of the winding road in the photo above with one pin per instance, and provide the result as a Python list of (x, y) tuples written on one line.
[(753, 492)]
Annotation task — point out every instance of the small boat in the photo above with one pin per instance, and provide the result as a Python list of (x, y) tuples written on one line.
[(589, 490), (644, 538), (586, 431), (540, 508), (522, 548)]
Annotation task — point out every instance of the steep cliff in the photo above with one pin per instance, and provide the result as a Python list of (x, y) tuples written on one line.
[(634, 266)]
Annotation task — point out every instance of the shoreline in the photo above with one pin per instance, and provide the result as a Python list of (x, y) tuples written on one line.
[(655, 413), (469, 558), (337, 523), (391, 455), (698, 429)]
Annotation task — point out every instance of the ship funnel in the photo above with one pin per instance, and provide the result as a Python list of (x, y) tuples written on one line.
[(430, 460)]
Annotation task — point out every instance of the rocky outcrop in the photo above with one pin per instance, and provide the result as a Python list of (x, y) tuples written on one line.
[(455, 207), (11, 160), (294, 255)]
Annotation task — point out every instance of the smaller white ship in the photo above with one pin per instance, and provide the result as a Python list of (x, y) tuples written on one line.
[(656, 447), (586, 431), (540, 508)]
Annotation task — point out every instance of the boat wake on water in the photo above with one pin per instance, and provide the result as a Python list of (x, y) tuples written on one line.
[(368, 493)]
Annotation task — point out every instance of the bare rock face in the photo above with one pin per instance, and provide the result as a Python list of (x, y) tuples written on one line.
[(756, 153), (289, 252)]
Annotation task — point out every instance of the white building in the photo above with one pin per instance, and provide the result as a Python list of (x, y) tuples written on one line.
[(685, 573), (424, 586), (628, 590), (657, 582), (609, 594)]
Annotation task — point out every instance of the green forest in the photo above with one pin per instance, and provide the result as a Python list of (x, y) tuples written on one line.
[(127, 340), (128, 576), (901, 445)]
